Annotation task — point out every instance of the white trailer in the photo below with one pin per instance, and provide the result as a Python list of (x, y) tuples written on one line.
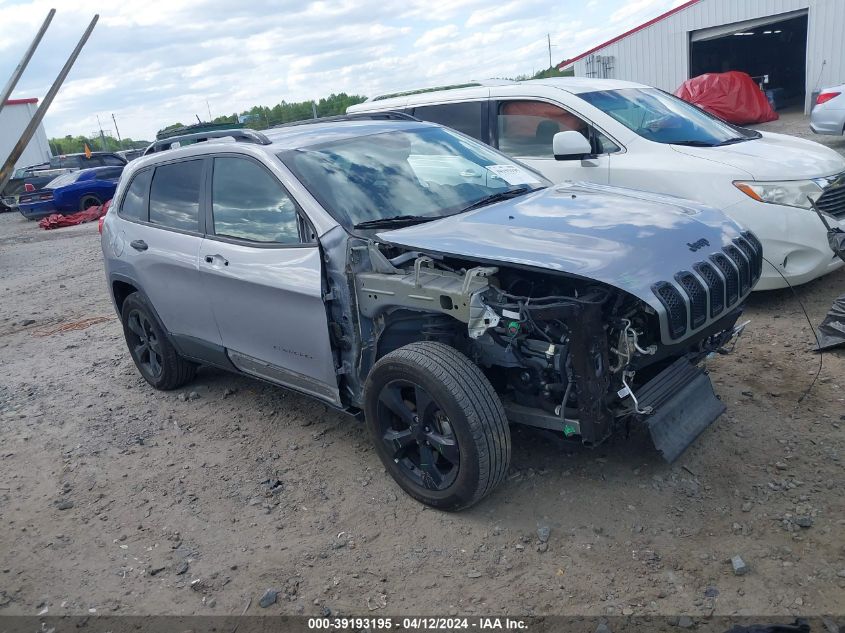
[(14, 117)]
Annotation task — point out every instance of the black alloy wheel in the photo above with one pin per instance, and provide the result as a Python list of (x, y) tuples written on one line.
[(144, 344), (154, 355), (437, 424), (418, 433)]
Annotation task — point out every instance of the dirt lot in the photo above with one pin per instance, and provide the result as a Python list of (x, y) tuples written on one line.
[(118, 498)]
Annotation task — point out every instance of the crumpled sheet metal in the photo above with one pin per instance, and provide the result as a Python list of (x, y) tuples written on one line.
[(831, 332)]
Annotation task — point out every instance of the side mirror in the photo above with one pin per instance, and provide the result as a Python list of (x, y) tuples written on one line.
[(570, 145)]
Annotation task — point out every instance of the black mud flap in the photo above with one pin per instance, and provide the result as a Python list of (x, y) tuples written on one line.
[(683, 405)]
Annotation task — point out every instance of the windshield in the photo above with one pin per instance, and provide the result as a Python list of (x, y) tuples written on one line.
[(63, 180), (663, 118), (424, 173)]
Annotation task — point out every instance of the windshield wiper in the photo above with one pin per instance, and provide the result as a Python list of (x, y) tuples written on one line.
[(497, 197), (734, 140), (693, 143), (396, 220)]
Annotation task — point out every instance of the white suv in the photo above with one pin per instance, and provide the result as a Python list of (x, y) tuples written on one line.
[(631, 135)]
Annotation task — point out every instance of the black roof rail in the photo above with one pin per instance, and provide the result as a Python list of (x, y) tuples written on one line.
[(197, 127), (243, 135), (355, 116)]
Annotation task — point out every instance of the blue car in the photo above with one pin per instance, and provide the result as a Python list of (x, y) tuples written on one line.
[(71, 192)]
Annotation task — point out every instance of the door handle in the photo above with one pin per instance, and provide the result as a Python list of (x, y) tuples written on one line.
[(139, 245), (219, 259)]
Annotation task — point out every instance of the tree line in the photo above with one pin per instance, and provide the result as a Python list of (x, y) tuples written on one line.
[(75, 144), (263, 117)]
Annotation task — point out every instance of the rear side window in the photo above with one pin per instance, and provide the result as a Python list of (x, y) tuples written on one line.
[(464, 117), (64, 162), (112, 161), (248, 203), (134, 205), (175, 195)]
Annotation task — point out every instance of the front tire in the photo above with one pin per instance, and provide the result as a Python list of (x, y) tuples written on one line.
[(154, 355), (438, 425)]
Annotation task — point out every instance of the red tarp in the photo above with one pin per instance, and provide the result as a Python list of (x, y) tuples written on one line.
[(57, 220), (732, 96)]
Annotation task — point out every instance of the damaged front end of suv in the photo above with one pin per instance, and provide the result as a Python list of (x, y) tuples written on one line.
[(580, 334)]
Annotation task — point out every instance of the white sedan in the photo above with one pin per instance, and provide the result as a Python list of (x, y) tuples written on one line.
[(829, 112)]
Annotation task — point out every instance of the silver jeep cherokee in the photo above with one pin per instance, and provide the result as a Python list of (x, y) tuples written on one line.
[(408, 274)]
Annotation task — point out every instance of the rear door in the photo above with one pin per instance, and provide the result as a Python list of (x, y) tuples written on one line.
[(469, 117), (262, 269), (160, 246)]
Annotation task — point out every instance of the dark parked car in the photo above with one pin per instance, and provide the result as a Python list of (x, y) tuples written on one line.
[(72, 192), (34, 177), (80, 161), (25, 180), (131, 154)]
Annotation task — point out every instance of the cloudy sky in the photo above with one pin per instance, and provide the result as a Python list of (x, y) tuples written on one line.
[(154, 62)]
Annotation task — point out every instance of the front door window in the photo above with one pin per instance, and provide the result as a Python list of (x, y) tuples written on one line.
[(526, 129)]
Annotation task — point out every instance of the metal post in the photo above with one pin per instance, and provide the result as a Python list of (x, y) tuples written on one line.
[(18, 149), (119, 142), (103, 143), (16, 75)]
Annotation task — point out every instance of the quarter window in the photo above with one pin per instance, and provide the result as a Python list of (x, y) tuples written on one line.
[(134, 205), (464, 117), (249, 203), (175, 195)]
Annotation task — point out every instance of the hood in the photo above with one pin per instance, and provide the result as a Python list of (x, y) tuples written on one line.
[(624, 238), (774, 157)]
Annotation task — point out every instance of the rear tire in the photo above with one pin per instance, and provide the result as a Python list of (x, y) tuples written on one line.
[(155, 357), (89, 200), (437, 424)]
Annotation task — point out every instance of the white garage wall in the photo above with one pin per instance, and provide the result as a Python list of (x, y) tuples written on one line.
[(659, 54)]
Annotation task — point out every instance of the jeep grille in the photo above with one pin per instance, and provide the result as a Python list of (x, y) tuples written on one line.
[(716, 285)]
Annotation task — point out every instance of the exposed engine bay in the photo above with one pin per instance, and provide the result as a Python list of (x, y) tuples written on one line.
[(566, 354)]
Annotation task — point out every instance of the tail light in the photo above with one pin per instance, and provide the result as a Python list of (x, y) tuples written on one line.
[(100, 224), (826, 96), (29, 187)]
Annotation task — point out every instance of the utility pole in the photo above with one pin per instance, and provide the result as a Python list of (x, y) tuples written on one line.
[(35, 121), (549, 39), (13, 80), (209, 110), (314, 109), (119, 142), (105, 145)]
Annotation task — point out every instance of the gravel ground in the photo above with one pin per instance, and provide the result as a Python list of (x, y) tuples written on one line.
[(118, 498)]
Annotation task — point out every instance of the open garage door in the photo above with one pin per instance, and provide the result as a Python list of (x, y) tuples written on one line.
[(773, 47)]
